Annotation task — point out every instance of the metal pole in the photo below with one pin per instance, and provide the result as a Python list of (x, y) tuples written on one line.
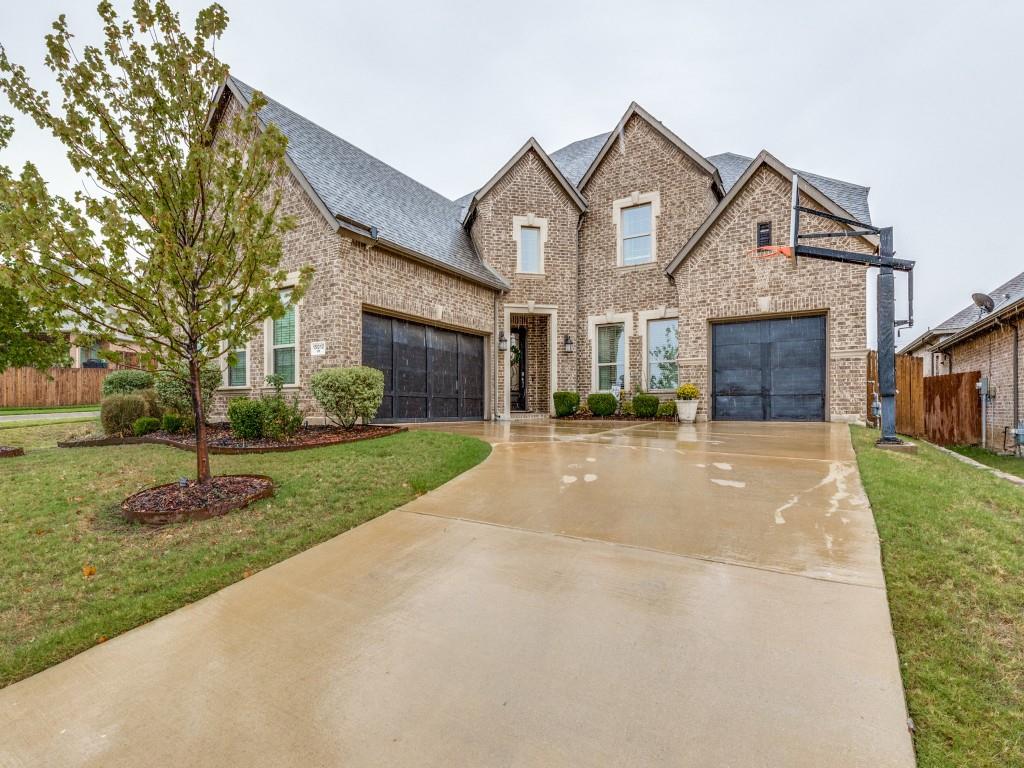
[(886, 317)]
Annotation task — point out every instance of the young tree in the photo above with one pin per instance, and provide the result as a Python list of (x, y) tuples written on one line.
[(175, 242)]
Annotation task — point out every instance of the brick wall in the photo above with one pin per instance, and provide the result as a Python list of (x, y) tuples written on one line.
[(991, 353)]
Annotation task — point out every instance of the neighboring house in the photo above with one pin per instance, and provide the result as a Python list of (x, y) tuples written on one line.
[(623, 259), (85, 354), (989, 342)]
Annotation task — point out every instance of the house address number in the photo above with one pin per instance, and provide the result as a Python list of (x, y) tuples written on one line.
[(318, 348)]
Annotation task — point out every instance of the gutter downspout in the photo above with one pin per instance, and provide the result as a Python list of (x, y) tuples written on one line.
[(1016, 381)]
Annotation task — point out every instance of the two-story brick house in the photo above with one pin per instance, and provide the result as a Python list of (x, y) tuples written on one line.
[(624, 259)]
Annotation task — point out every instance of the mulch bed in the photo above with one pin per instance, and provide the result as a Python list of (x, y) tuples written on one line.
[(221, 441), (7, 452), (174, 503)]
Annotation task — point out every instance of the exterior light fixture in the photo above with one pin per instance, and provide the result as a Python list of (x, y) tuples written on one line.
[(502, 342), (569, 345)]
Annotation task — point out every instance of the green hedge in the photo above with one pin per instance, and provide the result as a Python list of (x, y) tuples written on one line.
[(118, 413), (172, 387), (173, 423), (645, 406), (246, 418), (566, 403), (145, 425), (668, 408), (601, 404), (348, 394), (124, 382)]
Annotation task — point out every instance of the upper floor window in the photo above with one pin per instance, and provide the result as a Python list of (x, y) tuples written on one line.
[(529, 249), (764, 234), (284, 343), (636, 234)]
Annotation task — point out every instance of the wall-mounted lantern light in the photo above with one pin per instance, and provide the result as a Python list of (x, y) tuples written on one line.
[(570, 346), (502, 342)]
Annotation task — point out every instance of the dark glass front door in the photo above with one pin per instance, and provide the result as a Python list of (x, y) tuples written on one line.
[(517, 369)]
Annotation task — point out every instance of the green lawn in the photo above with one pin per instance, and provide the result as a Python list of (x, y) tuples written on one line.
[(59, 513), (1013, 465), (953, 553), (23, 423), (55, 409)]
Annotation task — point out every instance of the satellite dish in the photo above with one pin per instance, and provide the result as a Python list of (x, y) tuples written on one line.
[(984, 301)]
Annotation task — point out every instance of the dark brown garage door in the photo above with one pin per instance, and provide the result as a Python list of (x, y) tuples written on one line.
[(430, 374), (769, 370)]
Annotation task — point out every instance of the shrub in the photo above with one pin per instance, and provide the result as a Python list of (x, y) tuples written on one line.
[(668, 408), (152, 400), (172, 387), (145, 425), (566, 403), (687, 392), (601, 403), (246, 418), (645, 406), (281, 419), (118, 413), (348, 394), (172, 422), (626, 408), (123, 382)]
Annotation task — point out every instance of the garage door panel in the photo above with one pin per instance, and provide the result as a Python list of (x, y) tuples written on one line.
[(796, 408), (737, 333), (796, 329), (742, 408), (471, 376), (738, 381), (797, 381), (795, 354), (736, 356)]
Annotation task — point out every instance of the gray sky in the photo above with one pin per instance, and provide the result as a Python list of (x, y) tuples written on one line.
[(921, 101)]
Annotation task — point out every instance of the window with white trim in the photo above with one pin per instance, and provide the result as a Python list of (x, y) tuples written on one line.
[(611, 356), (283, 343), (238, 373), (529, 250), (636, 234), (662, 351)]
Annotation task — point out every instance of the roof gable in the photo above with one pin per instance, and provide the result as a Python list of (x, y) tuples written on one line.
[(764, 158), (373, 199), (611, 138), (531, 145)]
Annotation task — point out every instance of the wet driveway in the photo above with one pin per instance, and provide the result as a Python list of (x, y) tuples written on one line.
[(592, 594)]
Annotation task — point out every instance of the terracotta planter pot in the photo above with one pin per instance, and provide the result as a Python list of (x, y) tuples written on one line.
[(686, 411)]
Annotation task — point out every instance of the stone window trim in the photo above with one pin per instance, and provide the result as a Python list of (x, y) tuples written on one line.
[(634, 199), (530, 308), (610, 318), (529, 220), (643, 318), (268, 338)]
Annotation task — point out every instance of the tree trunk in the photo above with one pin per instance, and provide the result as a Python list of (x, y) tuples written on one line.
[(202, 454)]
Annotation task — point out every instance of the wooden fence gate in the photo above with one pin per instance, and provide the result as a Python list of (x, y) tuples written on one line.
[(29, 388), (942, 409)]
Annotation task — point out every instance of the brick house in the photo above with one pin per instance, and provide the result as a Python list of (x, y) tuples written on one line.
[(623, 259), (989, 342)]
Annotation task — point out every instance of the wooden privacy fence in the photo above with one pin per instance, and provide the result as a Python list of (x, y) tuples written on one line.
[(27, 387), (941, 409)]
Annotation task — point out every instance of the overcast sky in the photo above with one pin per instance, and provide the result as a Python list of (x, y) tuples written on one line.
[(921, 101)]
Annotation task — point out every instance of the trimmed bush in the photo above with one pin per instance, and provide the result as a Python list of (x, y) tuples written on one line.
[(668, 408), (601, 403), (118, 413), (172, 423), (566, 403), (124, 382), (246, 418), (687, 392), (172, 388), (145, 425), (153, 407), (626, 408), (348, 394), (281, 419), (645, 406)]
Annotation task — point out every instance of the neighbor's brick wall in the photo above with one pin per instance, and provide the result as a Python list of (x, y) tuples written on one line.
[(721, 280), (644, 161), (350, 277), (528, 187), (991, 353)]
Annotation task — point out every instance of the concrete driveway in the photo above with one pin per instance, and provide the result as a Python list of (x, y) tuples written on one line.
[(593, 594)]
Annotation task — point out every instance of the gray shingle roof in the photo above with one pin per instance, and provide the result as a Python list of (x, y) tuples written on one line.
[(852, 197), (354, 184), (1009, 292), (574, 159)]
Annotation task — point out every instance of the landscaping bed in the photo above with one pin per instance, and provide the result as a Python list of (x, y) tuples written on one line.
[(175, 502), (221, 441), (591, 417), (9, 452)]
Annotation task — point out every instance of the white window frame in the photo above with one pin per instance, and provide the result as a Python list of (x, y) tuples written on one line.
[(611, 318), (268, 337), (645, 318), (636, 198), (535, 222), (226, 384)]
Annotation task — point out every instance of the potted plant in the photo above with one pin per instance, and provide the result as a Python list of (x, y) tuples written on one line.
[(686, 403)]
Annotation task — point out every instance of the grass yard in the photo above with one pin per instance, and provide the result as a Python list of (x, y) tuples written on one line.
[(59, 519), (953, 554), (54, 409), (1013, 465), (23, 423)]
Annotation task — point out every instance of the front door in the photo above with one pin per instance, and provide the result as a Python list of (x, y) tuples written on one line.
[(517, 369)]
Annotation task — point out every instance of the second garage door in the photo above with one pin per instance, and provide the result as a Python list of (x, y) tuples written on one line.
[(769, 370), (430, 374)]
